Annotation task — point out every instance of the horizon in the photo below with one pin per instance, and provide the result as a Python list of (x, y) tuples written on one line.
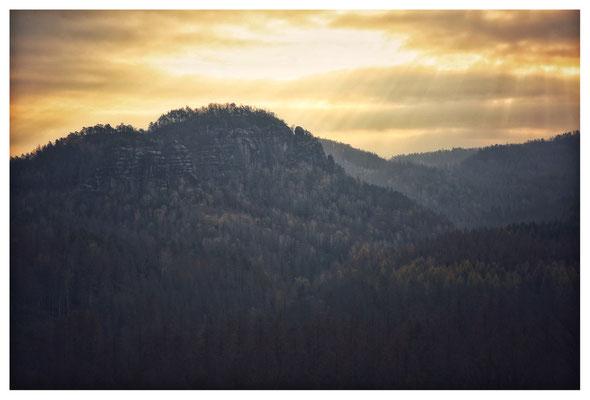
[(388, 82), (575, 131), (292, 126)]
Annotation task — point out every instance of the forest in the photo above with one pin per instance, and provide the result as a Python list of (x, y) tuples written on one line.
[(222, 249), (492, 186)]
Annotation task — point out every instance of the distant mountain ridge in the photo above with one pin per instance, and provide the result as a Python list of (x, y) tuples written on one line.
[(492, 186), (439, 158)]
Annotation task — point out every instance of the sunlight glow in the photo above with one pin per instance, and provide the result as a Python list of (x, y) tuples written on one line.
[(374, 70)]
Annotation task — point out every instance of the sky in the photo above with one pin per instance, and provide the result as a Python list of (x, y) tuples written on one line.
[(390, 82)]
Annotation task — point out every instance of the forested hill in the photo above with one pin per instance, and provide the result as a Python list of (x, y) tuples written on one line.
[(215, 178), (224, 160), (224, 201), (222, 249), (493, 186)]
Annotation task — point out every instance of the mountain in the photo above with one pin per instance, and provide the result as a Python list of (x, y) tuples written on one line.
[(223, 159), (220, 249), (226, 202), (493, 186)]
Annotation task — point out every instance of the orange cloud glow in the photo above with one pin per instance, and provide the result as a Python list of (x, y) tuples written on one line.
[(387, 81)]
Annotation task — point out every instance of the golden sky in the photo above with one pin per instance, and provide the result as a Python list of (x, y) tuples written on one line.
[(386, 81)]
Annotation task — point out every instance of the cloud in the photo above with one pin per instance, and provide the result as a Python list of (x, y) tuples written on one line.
[(403, 85), (515, 37), (369, 99), (339, 74), (479, 25)]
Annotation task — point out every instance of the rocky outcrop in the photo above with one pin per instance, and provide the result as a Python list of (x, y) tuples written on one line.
[(218, 152), (195, 152), (158, 165)]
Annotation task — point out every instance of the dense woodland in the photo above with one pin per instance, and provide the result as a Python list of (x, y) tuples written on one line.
[(492, 186), (259, 263)]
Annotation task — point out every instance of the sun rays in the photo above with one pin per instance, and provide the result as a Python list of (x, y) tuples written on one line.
[(448, 78)]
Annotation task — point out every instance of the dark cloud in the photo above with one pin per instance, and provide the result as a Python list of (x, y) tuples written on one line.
[(516, 35)]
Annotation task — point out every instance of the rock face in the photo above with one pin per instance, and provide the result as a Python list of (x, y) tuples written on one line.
[(191, 151), (154, 164), (218, 152)]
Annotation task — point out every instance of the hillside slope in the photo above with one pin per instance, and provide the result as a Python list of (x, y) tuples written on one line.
[(495, 186), (216, 211)]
